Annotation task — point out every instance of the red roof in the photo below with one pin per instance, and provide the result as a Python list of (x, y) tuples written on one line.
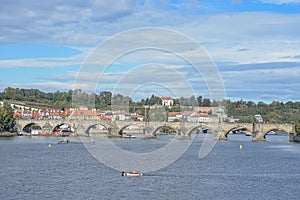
[(106, 118), (200, 115), (17, 114), (55, 114), (173, 114), (36, 115), (165, 98)]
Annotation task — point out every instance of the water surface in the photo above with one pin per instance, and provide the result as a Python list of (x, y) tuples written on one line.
[(261, 170)]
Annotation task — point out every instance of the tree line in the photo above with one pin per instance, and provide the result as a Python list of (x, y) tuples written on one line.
[(103, 100)]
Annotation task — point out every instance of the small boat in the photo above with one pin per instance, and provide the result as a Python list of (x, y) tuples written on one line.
[(129, 136), (133, 173), (65, 132), (248, 133), (65, 141), (271, 133)]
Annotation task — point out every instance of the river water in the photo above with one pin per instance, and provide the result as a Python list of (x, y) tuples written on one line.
[(261, 170)]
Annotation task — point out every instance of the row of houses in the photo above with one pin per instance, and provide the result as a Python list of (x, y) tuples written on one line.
[(107, 115), (41, 114), (78, 113), (189, 117)]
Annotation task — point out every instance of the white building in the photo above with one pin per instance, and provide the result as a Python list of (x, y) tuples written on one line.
[(166, 101)]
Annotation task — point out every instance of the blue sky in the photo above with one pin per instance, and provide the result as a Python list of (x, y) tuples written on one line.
[(254, 44)]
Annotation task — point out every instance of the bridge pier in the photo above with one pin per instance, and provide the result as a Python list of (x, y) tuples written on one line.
[(293, 135), (182, 133), (220, 133), (148, 133), (221, 136), (258, 133), (258, 137)]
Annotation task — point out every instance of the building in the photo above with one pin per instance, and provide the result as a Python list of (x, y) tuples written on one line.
[(208, 110), (174, 116), (106, 115), (189, 117), (166, 101), (121, 115), (86, 114), (199, 118)]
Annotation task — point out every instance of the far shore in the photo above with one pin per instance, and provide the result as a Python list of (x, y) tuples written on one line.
[(7, 134)]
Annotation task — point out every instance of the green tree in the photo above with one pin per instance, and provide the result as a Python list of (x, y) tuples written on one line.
[(105, 99), (7, 120), (298, 127), (206, 103), (8, 93), (199, 100), (273, 117)]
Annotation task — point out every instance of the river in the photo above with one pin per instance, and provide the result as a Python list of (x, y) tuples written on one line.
[(261, 170)]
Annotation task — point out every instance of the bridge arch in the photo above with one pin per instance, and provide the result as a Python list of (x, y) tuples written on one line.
[(58, 127), (94, 126), (274, 129), (204, 129), (162, 126), (238, 128), (28, 127), (120, 131)]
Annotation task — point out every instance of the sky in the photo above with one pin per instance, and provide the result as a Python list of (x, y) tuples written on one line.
[(252, 47)]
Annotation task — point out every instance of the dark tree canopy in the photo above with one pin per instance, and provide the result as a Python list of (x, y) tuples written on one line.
[(7, 120), (298, 127)]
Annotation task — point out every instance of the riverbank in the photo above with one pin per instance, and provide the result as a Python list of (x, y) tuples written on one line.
[(7, 134)]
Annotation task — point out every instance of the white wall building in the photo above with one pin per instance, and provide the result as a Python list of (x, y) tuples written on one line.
[(166, 101)]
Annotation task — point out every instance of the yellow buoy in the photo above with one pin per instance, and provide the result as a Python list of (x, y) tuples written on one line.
[(241, 147)]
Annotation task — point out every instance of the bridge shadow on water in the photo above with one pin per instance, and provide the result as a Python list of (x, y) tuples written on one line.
[(278, 137), (239, 137)]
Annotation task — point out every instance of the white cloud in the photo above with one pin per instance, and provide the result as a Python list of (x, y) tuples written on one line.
[(33, 21), (280, 2), (263, 84), (241, 38), (81, 24), (43, 62)]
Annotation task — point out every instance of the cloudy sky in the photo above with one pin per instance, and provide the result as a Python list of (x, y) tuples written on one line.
[(254, 46)]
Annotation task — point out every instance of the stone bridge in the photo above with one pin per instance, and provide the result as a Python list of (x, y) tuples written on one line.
[(258, 130), (150, 129)]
